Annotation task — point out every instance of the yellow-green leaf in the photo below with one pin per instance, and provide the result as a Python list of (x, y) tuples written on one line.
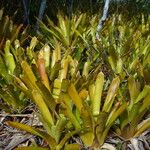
[(143, 94), (111, 94), (133, 90), (29, 74), (96, 103), (31, 148), (33, 43), (33, 131), (116, 112), (146, 104), (42, 107), (87, 138), (142, 127), (75, 97), (74, 146)]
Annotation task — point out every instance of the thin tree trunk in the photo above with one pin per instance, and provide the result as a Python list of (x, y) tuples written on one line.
[(26, 4), (70, 8), (102, 20), (41, 13), (91, 6)]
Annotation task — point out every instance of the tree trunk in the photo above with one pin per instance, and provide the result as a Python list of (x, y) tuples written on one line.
[(102, 20), (26, 5), (41, 12)]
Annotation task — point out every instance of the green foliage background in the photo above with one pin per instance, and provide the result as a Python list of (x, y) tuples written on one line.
[(80, 85)]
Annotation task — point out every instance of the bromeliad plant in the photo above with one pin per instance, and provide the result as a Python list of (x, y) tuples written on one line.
[(76, 36), (70, 101), (134, 120), (68, 31), (128, 56), (95, 111), (127, 46), (8, 92), (73, 96), (9, 68), (74, 33)]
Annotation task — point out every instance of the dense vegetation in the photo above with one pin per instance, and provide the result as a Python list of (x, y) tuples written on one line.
[(82, 92)]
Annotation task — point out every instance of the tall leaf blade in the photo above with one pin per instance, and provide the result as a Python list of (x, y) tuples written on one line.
[(111, 94), (42, 72), (143, 94), (133, 90), (75, 97), (146, 104), (47, 96), (115, 114), (9, 59), (98, 94), (28, 73), (33, 131), (3, 69), (68, 111), (42, 107)]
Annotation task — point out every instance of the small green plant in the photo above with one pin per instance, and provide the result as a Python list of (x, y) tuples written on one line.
[(127, 46), (11, 31), (131, 121), (8, 91), (10, 67), (75, 34)]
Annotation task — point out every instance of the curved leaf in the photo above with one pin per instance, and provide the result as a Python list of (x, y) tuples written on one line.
[(34, 131)]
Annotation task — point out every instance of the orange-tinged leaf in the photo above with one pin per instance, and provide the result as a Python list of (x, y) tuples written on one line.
[(42, 72)]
